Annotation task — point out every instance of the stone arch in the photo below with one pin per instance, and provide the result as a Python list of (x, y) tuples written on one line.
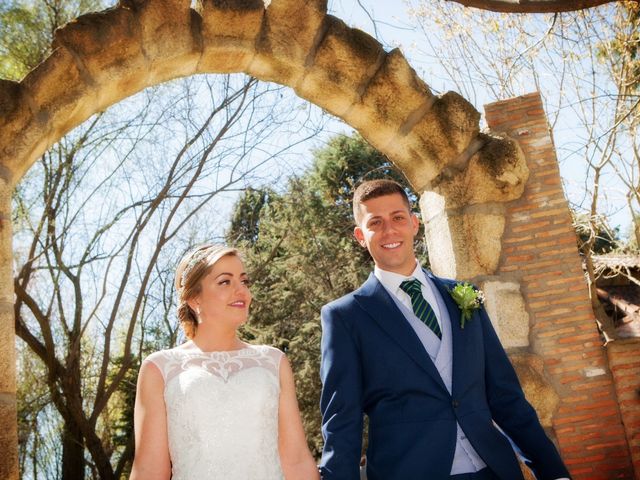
[(103, 57)]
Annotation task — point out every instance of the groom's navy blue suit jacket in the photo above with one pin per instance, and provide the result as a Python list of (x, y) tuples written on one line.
[(374, 363)]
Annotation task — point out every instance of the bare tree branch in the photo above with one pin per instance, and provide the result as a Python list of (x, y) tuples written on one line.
[(532, 6)]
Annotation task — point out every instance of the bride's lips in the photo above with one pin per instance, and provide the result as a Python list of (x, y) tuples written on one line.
[(238, 304)]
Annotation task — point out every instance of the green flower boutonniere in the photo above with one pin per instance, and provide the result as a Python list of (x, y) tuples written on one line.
[(468, 299)]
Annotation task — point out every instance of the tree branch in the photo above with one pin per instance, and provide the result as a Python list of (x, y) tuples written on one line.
[(532, 6)]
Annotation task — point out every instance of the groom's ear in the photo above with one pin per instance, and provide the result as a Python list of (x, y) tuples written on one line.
[(357, 232), (415, 223)]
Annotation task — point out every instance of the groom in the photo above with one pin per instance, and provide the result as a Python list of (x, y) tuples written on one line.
[(435, 393)]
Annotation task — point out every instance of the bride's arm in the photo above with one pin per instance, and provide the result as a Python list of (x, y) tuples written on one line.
[(295, 457), (151, 461)]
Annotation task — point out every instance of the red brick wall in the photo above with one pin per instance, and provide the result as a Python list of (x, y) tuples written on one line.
[(624, 360), (540, 252)]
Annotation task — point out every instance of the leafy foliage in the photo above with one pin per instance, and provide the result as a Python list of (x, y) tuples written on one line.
[(624, 46), (27, 27)]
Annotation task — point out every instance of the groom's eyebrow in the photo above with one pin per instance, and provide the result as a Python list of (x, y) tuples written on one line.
[(395, 212)]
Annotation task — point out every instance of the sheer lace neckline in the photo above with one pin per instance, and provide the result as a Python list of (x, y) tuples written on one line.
[(195, 350), (224, 364)]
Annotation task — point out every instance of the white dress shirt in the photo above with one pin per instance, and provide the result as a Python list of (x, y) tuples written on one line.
[(391, 281)]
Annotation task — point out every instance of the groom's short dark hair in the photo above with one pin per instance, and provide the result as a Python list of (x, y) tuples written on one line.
[(374, 189)]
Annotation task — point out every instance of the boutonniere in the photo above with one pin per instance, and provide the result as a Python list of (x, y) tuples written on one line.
[(468, 299)]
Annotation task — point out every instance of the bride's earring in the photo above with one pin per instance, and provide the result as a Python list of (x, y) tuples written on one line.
[(198, 315)]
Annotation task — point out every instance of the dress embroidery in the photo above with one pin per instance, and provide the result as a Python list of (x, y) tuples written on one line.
[(222, 412)]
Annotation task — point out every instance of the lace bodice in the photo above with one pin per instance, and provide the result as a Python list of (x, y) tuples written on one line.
[(222, 412)]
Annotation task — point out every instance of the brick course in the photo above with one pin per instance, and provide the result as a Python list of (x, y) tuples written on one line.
[(540, 253), (624, 360)]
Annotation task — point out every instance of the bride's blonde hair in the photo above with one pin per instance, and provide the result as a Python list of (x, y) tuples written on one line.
[(193, 267)]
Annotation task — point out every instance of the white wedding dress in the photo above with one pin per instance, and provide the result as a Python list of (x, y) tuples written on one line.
[(222, 412)]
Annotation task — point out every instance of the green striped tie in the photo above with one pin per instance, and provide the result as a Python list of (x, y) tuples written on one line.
[(421, 307)]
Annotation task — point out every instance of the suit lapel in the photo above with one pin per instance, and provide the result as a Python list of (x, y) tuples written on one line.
[(461, 345), (375, 300)]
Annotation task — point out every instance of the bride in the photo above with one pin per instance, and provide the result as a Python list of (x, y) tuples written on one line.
[(216, 407)]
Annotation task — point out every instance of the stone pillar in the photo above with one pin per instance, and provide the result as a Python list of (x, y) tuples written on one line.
[(542, 309), (8, 417)]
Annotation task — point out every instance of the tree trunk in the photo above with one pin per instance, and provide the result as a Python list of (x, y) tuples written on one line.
[(73, 461), (604, 321), (99, 455), (72, 451)]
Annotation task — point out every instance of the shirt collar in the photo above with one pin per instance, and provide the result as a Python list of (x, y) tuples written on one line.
[(391, 281)]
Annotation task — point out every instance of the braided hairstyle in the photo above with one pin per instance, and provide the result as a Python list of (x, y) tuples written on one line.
[(193, 267)]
